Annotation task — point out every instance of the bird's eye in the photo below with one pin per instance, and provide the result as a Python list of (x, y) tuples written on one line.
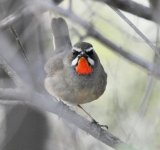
[(89, 53), (75, 52)]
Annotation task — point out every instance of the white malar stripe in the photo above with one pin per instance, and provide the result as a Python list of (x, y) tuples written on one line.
[(91, 61), (74, 61), (77, 49), (89, 49)]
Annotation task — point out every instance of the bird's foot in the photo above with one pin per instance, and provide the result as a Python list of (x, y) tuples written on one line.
[(102, 126)]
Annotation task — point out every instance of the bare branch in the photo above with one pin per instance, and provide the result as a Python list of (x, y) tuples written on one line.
[(131, 7), (17, 14), (14, 32), (125, 5), (146, 97), (17, 80), (98, 36), (10, 19), (148, 42), (48, 103)]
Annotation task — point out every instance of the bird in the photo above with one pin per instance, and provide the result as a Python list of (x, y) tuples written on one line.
[(74, 73)]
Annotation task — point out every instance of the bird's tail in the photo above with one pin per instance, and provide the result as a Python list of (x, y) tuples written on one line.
[(61, 34)]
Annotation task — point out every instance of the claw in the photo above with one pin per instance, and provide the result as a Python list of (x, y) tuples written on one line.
[(102, 126)]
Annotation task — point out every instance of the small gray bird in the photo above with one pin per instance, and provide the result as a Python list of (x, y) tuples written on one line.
[(74, 74)]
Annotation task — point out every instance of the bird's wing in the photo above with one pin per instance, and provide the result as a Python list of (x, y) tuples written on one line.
[(54, 64)]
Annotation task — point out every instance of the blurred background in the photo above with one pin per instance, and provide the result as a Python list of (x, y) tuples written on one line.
[(130, 105)]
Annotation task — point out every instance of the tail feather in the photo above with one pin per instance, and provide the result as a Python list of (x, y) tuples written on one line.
[(61, 34)]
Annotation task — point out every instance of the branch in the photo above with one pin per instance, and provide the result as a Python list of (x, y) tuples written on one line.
[(9, 20), (93, 33), (45, 102), (12, 74), (19, 42), (131, 7), (148, 42), (12, 18), (125, 5), (98, 36), (50, 104)]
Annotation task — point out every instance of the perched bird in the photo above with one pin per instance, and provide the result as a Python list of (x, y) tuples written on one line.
[(74, 73)]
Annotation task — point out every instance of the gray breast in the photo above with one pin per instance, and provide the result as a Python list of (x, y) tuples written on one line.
[(66, 84)]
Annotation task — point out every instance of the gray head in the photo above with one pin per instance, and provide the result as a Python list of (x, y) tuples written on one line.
[(83, 49)]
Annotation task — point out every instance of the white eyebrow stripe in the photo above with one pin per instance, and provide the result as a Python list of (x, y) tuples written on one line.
[(89, 49), (75, 61), (77, 49), (91, 61)]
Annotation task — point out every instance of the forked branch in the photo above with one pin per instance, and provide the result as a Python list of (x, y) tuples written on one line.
[(45, 102)]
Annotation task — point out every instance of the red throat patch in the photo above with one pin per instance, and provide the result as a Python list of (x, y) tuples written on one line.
[(83, 68)]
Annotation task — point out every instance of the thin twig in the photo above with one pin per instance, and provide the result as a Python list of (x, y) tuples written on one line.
[(98, 36), (94, 33), (125, 5), (149, 88), (131, 7), (14, 32), (148, 42), (147, 94), (12, 18), (143, 106), (12, 74)]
